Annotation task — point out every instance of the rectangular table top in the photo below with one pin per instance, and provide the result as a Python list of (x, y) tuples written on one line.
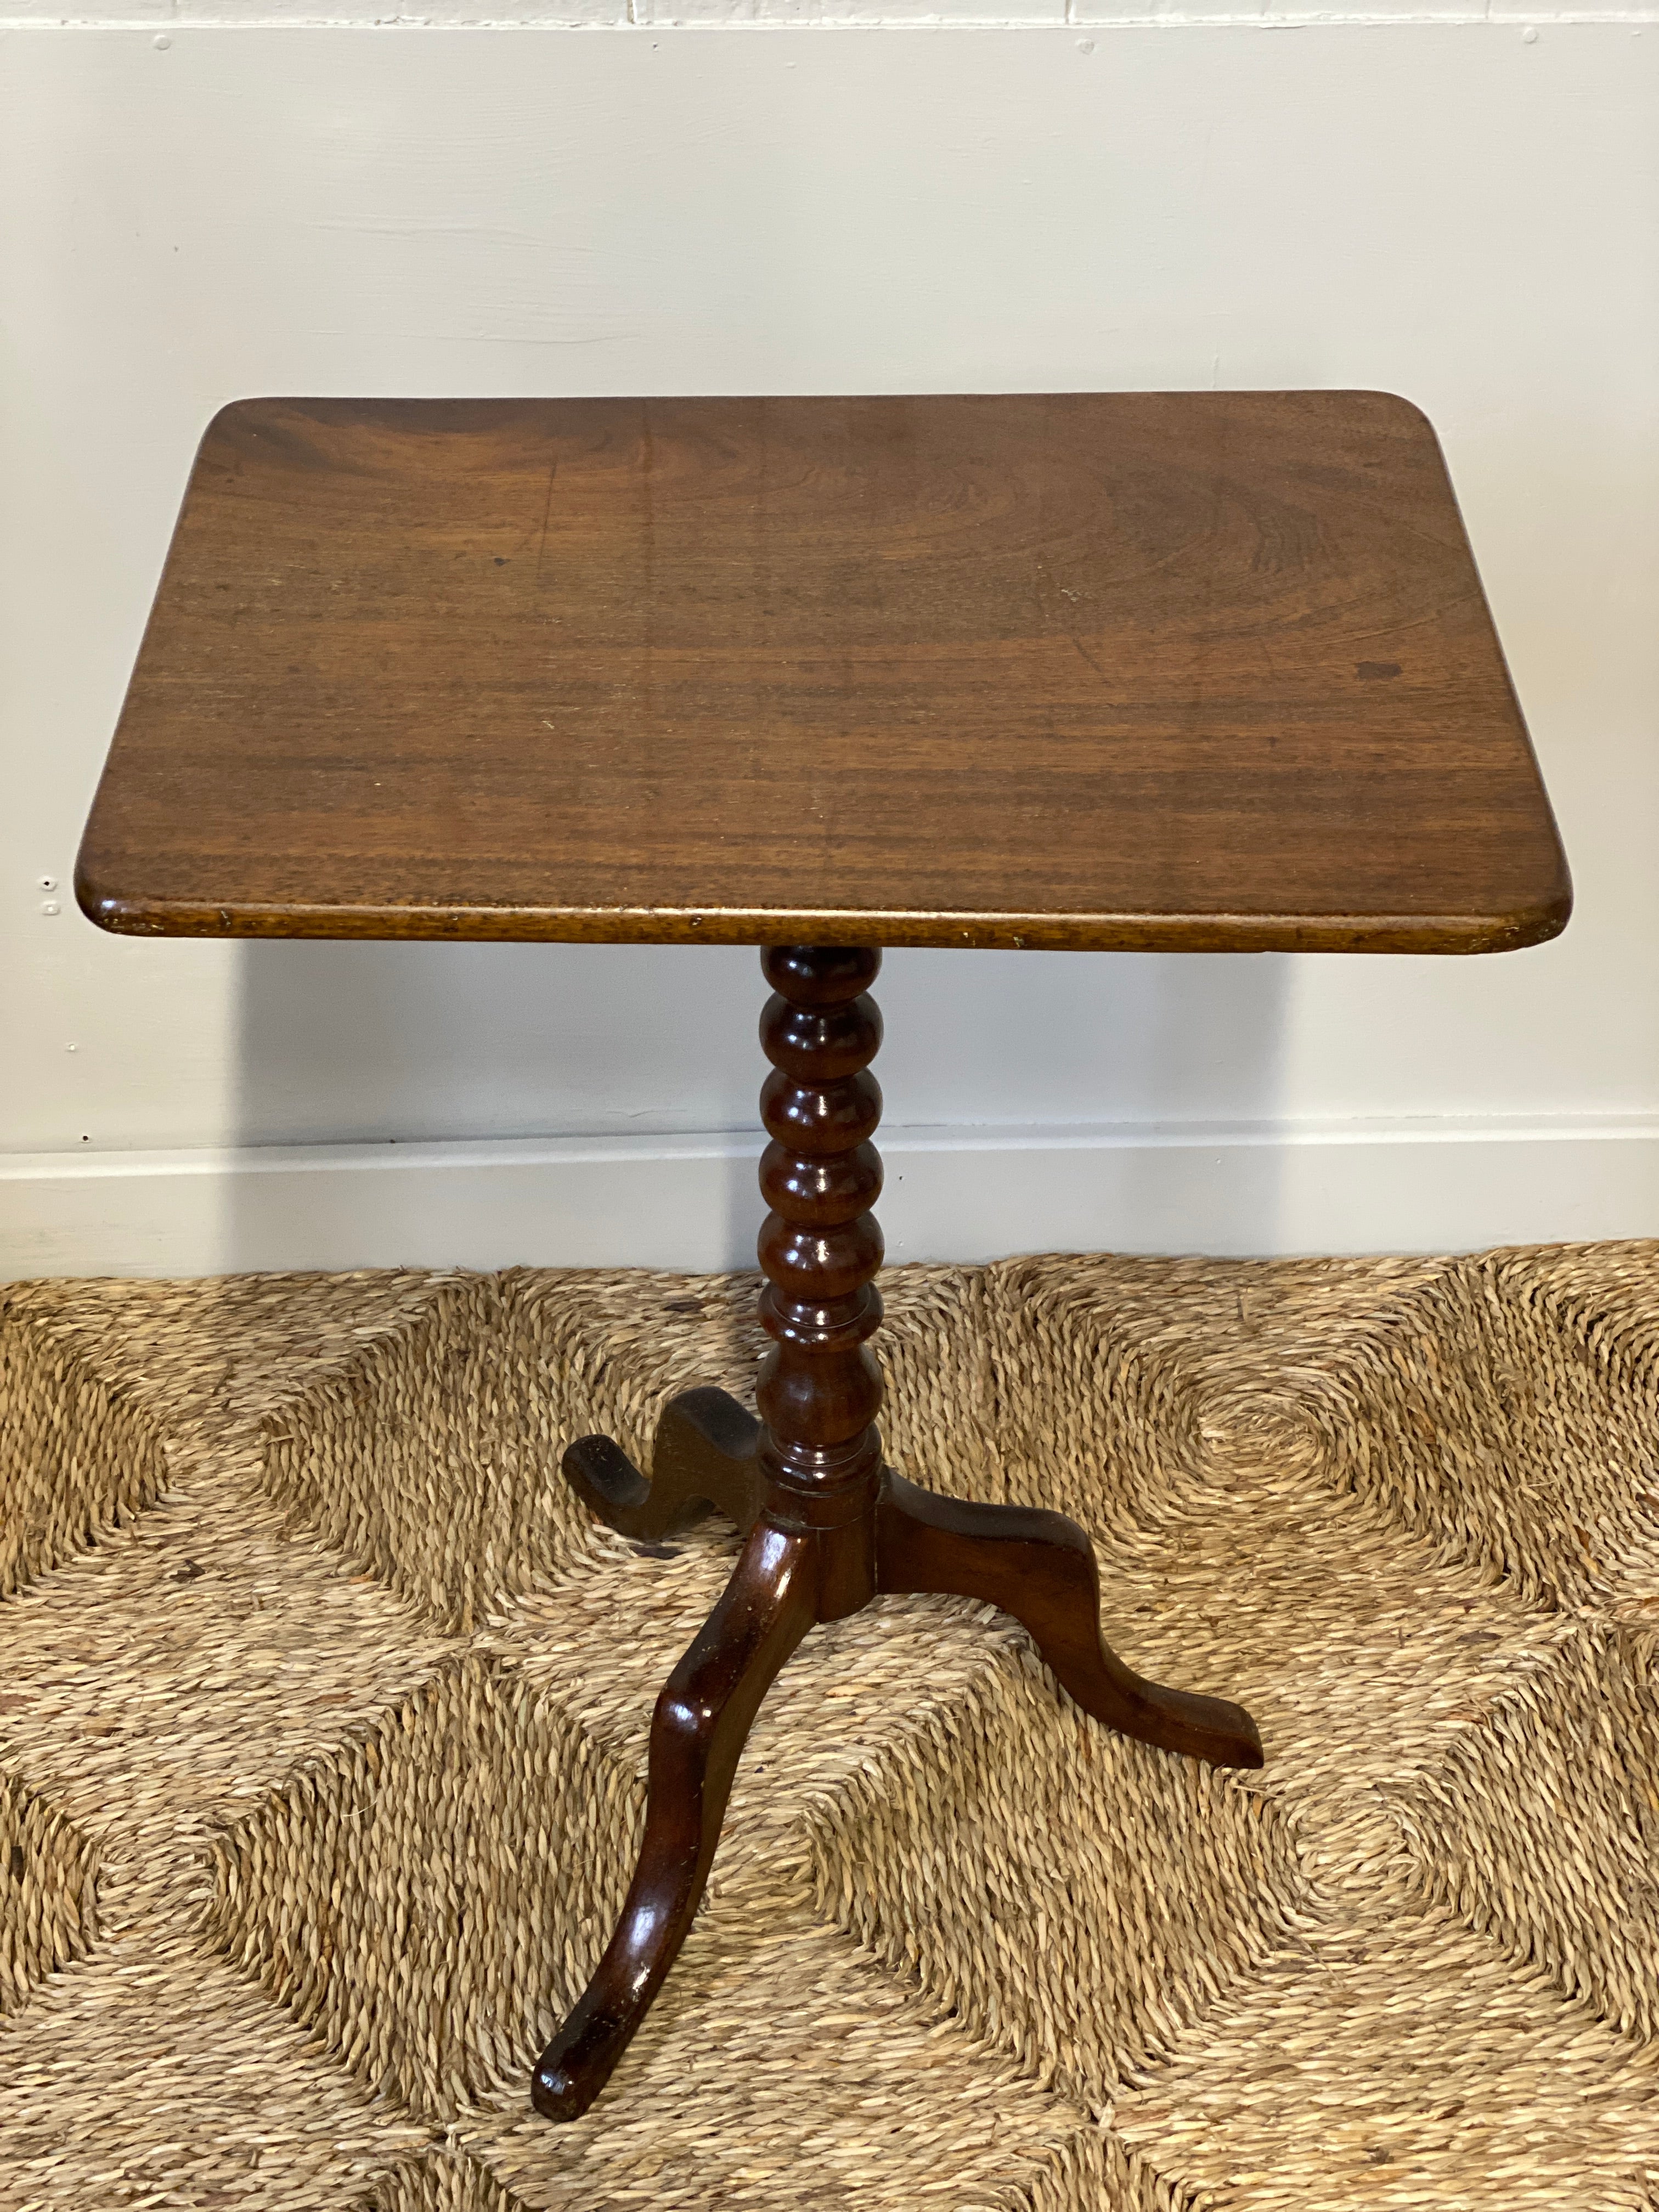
[(1182, 671)]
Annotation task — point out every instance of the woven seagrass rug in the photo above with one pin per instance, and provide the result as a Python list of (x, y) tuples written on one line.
[(323, 1712)]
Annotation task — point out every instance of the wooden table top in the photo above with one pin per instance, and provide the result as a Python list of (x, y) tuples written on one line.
[(1189, 670)]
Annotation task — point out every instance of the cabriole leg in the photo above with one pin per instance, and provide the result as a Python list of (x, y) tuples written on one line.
[(703, 1457), (702, 1722), (1041, 1568)]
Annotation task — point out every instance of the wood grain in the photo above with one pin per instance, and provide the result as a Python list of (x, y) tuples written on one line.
[(1181, 670)]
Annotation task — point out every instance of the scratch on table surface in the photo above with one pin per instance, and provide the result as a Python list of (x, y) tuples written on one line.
[(547, 514), (1088, 656)]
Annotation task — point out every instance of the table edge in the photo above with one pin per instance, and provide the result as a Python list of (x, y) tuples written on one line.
[(1533, 923)]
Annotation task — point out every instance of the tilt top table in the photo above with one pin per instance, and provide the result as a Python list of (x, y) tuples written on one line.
[(1185, 672)]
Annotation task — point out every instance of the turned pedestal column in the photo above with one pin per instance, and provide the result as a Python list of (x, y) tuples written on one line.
[(826, 1525)]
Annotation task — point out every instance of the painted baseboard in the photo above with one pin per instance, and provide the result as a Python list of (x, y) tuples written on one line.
[(689, 1202)]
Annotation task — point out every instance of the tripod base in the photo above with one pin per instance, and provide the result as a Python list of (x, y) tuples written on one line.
[(1038, 1566)]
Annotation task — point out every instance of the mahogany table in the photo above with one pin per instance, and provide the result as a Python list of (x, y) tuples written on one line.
[(1180, 672)]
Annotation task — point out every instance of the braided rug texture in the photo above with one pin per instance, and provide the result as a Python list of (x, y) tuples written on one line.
[(323, 1713)]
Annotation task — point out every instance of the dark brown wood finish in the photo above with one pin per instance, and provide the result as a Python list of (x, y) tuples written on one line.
[(1041, 1567), (1189, 670), (1184, 671), (827, 1526), (820, 1389), (698, 1730), (703, 1456)]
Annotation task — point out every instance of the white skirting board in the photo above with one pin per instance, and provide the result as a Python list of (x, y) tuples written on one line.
[(689, 1202)]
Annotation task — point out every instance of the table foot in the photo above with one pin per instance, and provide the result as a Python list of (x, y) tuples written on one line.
[(1040, 1567), (702, 1722), (703, 1457)]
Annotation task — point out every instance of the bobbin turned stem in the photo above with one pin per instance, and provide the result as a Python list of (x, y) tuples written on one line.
[(820, 1247)]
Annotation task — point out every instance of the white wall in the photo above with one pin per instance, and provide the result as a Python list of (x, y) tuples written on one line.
[(1467, 212)]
